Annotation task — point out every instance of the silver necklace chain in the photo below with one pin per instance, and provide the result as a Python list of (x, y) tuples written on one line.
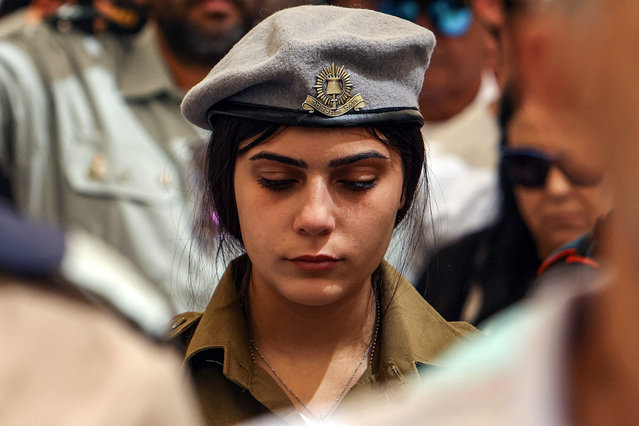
[(322, 417)]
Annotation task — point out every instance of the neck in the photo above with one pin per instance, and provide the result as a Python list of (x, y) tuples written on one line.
[(185, 74), (287, 327), (315, 354), (443, 105)]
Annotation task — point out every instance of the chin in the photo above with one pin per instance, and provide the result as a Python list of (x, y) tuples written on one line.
[(311, 294)]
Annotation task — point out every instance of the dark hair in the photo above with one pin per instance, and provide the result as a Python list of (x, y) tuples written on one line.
[(219, 220), (501, 258)]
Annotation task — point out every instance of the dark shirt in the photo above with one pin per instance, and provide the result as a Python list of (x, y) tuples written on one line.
[(497, 274)]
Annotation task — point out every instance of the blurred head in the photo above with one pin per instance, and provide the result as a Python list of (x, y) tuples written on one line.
[(458, 61), (606, 79), (202, 31), (121, 17), (559, 191)]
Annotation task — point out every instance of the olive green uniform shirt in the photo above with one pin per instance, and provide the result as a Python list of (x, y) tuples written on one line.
[(230, 386)]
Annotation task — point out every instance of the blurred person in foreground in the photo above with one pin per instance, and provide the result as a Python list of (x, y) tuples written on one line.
[(568, 356), (91, 136), (66, 361), (314, 160), (550, 197)]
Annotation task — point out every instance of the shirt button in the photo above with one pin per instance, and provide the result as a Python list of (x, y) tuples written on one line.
[(98, 169), (167, 180)]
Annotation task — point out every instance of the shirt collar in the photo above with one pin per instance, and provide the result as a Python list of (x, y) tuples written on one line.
[(413, 333), (142, 72), (225, 308)]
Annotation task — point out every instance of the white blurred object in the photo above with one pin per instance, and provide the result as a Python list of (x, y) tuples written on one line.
[(462, 155), (473, 134), (461, 199), (517, 375), (95, 267)]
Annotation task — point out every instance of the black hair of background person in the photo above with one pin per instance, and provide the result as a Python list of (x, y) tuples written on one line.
[(8, 6), (6, 193), (501, 259)]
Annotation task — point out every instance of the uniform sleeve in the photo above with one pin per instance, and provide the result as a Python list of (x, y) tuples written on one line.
[(6, 120), (465, 329), (24, 117)]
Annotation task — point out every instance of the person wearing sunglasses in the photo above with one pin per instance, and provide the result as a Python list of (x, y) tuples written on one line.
[(552, 193), (456, 97), (560, 194)]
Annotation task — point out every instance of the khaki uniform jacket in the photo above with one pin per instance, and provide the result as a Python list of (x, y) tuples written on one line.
[(232, 388)]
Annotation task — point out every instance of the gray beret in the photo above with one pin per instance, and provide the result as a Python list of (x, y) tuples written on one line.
[(319, 66)]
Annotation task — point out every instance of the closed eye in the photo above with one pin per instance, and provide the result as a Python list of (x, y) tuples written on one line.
[(276, 184), (359, 185)]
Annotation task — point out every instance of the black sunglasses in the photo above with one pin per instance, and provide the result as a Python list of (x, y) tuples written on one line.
[(530, 167)]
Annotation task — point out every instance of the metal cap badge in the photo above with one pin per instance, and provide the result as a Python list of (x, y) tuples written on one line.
[(333, 87)]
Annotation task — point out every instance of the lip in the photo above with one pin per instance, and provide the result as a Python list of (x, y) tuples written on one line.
[(565, 219), (315, 262), (215, 6)]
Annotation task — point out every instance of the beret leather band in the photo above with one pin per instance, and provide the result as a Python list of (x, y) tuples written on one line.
[(291, 117)]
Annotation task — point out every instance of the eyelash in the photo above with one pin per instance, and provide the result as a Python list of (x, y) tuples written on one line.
[(284, 184), (276, 184), (360, 186)]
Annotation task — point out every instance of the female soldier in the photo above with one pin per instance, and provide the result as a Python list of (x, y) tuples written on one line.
[(314, 158)]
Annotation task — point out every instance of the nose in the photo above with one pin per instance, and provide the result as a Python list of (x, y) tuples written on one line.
[(557, 184), (316, 212)]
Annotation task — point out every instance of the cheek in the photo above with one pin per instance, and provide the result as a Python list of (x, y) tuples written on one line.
[(253, 212), (529, 204), (373, 218), (596, 201)]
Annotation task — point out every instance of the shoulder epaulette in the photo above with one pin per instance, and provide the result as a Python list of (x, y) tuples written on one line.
[(578, 251), (182, 328)]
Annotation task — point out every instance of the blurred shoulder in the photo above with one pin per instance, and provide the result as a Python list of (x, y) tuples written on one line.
[(92, 359)]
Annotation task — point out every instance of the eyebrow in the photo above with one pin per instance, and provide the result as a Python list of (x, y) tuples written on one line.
[(350, 159), (280, 159), (338, 162)]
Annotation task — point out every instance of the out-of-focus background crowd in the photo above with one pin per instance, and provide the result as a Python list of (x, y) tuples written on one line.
[(99, 177)]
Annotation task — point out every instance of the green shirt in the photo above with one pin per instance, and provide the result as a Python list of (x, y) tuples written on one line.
[(230, 386)]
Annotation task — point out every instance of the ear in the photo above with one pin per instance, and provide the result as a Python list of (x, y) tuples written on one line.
[(402, 200)]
